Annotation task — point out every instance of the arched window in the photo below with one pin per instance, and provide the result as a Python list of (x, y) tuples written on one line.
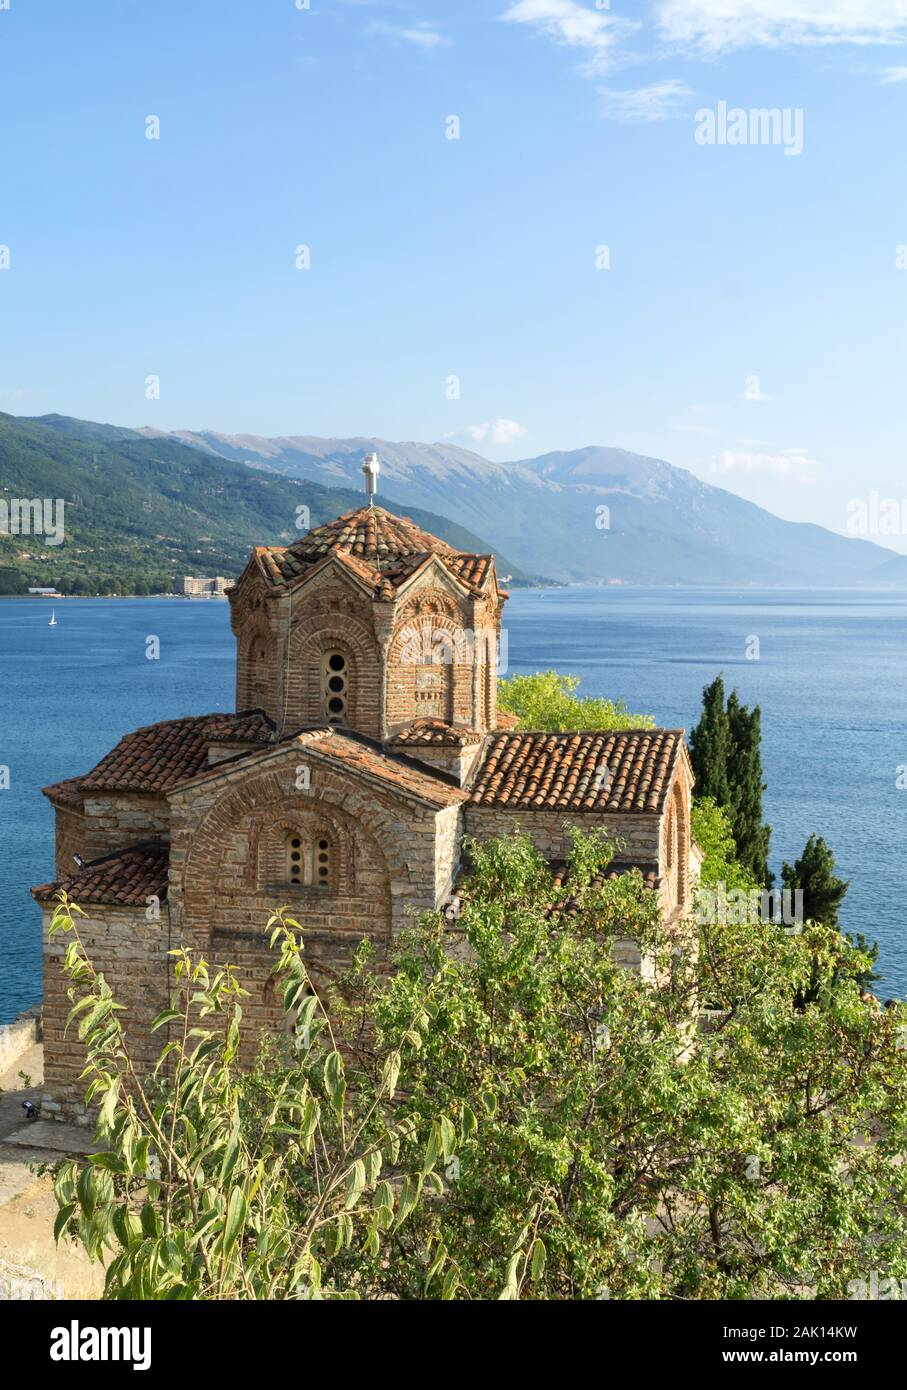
[(309, 860), (334, 687)]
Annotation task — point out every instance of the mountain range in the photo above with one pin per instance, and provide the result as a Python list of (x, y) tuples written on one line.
[(146, 501), (593, 515), (140, 513)]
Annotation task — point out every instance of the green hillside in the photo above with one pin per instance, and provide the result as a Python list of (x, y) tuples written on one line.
[(141, 513)]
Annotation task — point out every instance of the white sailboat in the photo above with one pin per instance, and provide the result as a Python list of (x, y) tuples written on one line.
[(53, 618)]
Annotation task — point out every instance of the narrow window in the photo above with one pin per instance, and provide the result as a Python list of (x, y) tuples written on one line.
[(323, 862), (334, 687), (295, 861), (308, 862)]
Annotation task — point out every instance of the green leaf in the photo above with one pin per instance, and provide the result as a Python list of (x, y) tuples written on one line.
[(62, 1220), (165, 1016), (538, 1259), (334, 1081), (391, 1073), (236, 1215), (355, 1184)]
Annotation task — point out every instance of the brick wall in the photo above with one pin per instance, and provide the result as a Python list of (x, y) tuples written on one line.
[(132, 952), (69, 838), (228, 875)]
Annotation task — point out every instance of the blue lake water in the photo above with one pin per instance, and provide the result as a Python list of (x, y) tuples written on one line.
[(830, 679)]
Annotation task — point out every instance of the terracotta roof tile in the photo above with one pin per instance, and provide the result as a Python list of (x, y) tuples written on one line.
[(428, 731), (564, 771), (362, 755), (157, 757), (381, 548), (126, 878), (65, 793)]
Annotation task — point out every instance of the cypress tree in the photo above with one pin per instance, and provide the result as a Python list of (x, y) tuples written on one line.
[(726, 758), (744, 773), (710, 746), (814, 872)]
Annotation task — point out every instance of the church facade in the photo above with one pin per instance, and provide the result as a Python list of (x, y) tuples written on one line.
[(365, 745)]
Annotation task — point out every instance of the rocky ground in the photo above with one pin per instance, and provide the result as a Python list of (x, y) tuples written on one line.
[(31, 1265)]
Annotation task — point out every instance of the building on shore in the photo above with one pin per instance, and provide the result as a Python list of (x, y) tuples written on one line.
[(205, 588)]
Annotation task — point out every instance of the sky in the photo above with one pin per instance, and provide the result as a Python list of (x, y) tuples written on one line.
[(514, 226)]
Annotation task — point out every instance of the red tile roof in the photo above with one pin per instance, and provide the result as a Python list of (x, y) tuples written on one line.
[(127, 878), (362, 755), (65, 793), (546, 771), (382, 549), (616, 869), (155, 758), (429, 731)]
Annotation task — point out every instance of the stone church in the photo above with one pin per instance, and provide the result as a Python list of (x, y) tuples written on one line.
[(365, 744)]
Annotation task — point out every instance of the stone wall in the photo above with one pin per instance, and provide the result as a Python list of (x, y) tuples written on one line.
[(640, 835), (17, 1037), (114, 820)]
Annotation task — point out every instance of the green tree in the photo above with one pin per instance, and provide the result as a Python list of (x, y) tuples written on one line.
[(183, 1201), (711, 829), (617, 1154), (710, 744), (814, 873), (744, 772), (725, 753), (548, 700)]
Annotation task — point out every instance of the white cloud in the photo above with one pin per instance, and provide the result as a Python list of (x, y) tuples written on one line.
[(422, 35), (714, 26), (890, 75), (793, 464), (496, 432), (658, 102), (575, 25)]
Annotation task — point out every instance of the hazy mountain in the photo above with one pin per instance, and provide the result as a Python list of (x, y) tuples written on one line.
[(665, 525), (148, 510)]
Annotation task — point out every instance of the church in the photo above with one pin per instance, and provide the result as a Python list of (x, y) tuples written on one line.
[(365, 745)]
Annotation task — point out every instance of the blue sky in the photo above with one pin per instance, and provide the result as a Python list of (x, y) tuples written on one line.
[(752, 323)]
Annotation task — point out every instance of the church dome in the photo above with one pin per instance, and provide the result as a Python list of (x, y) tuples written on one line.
[(371, 534)]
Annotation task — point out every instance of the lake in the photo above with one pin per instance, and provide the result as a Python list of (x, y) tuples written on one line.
[(830, 677)]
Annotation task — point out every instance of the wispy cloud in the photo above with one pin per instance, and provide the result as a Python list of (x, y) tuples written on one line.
[(715, 26), (577, 25), (421, 35), (496, 432), (890, 75), (660, 101)]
